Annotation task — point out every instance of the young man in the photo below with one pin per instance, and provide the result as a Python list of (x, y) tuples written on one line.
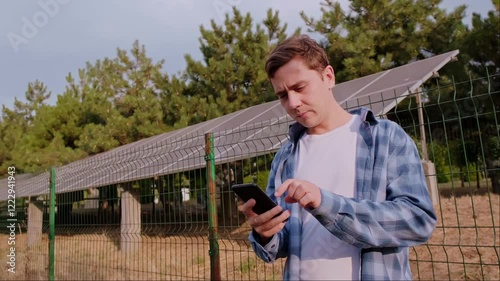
[(353, 186)]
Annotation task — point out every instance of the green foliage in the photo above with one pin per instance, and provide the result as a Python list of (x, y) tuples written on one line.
[(257, 169), (248, 265), (231, 75), (376, 35), (439, 155), (113, 102), (177, 105), (147, 190), (493, 147), (119, 98), (464, 152), (482, 44), (260, 178), (13, 127), (199, 260), (470, 173), (493, 156)]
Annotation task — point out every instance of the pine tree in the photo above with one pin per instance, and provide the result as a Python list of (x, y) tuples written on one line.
[(114, 102), (17, 123), (374, 35), (483, 42), (232, 76), (119, 100)]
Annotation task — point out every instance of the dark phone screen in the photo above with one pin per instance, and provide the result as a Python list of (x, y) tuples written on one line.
[(247, 191)]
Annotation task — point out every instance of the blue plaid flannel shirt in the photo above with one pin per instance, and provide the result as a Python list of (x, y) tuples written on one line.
[(391, 212)]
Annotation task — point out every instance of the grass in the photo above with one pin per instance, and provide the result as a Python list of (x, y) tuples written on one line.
[(199, 260), (248, 265), (454, 188)]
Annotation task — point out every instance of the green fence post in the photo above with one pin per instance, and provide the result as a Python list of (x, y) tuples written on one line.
[(212, 208), (52, 218)]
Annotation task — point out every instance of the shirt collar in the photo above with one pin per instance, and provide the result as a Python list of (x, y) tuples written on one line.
[(296, 129)]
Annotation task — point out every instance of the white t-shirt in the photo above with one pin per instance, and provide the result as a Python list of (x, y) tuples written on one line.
[(328, 161)]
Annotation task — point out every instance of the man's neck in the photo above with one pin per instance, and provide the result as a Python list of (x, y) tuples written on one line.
[(337, 118)]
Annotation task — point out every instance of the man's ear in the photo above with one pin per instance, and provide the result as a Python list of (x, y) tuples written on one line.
[(329, 76)]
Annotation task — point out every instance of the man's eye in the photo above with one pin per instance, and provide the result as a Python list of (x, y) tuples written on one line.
[(282, 94), (299, 89)]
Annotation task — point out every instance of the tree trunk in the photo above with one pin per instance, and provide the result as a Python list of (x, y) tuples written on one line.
[(495, 184), (478, 176), (493, 173)]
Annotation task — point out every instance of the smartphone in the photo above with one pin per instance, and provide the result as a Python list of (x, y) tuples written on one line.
[(246, 191)]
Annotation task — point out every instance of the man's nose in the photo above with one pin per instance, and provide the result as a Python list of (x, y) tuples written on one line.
[(293, 100)]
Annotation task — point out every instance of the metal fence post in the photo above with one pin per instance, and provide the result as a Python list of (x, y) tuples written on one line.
[(212, 208), (52, 218)]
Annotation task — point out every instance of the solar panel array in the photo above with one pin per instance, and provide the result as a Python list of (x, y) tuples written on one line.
[(246, 133)]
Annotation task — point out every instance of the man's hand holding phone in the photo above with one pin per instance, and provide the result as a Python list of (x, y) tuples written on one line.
[(266, 224), (263, 215)]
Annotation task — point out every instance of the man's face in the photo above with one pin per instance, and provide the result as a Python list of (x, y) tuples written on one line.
[(305, 94)]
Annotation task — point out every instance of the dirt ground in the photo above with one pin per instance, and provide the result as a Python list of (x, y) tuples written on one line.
[(464, 246), (466, 242)]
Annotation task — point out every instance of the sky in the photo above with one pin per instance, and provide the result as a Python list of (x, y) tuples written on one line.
[(48, 39)]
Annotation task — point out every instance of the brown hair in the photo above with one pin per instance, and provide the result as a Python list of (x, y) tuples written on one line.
[(298, 46)]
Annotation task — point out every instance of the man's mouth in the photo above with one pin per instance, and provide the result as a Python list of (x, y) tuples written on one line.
[(300, 114)]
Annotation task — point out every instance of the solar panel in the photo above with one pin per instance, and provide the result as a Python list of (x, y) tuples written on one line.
[(246, 133)]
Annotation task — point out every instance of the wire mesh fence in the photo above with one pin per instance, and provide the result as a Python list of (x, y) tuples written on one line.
[(162, 209)]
